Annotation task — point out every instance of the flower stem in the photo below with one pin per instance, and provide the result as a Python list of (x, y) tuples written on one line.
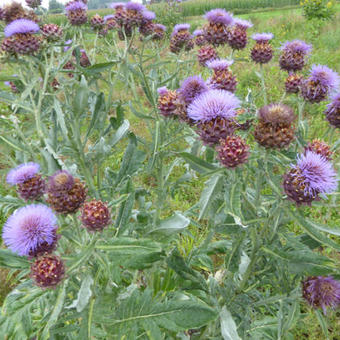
[(263, 85)]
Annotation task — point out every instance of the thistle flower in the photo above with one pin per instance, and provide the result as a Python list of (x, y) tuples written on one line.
[(242, 24), (233, 151), (321, 148), (293, 83), (212, 104), (321, 82), (33, 3), (30, 185), (181, 38), (179, 28), (67, 45), (22, 173), (118, 5), (147, 16), (62, 180), (65, 193), (95, 215), (220, 65), (216, 31), (219, 16), (110, 21), (213, 131), (262, 37), (166, 101), (222, 78), (84, 60), (262, 52), (76, 13), (293, 55), (321, 292), (158, 31), (199, 37), (47, 271), (132, 15), (276, 114), (21, 26), (12, 85), (312, 175), (333, 112), (146, 28), (69, 66), (52, 32), (205, 54), (29, 227), (275, 128), (20, 37), (134, 6), (15, 11), (45, 247), (192, 87), (237, 35), (97, 22)]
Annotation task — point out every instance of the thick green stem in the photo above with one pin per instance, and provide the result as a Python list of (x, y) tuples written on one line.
[(263, 85)]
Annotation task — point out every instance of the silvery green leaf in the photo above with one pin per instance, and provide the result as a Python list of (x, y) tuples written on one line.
[(228, 325), (84, 294)]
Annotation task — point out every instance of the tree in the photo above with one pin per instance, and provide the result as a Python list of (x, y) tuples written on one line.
[(55, 6)]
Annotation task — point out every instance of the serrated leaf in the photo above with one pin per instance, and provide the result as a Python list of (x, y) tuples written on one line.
[(173, 224), (11, 260), (196, 163), (211, 188), (97, 68), (174, 315), (57, 308), (228, 325), (311, 230), (84, 294)]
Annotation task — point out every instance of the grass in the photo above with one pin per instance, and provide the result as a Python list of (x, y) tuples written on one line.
[(286, 24), (199, 7)]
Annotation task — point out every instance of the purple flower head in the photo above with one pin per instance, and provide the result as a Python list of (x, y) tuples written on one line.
[(28, 227), (262, 37), (75, 6), (68, 44), (180, 27), (191, 87), (244, 24), (325, 76), (320, 291), (219, 16), (297, 46), (21, 26), (162, 91), (197, 33), (134, 6), (117, 4), (62, 180), (212, 104), (108, 17), (160, 27), (318, 174), (219, 64), (7, 83), (22, 173), (148, 15)]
